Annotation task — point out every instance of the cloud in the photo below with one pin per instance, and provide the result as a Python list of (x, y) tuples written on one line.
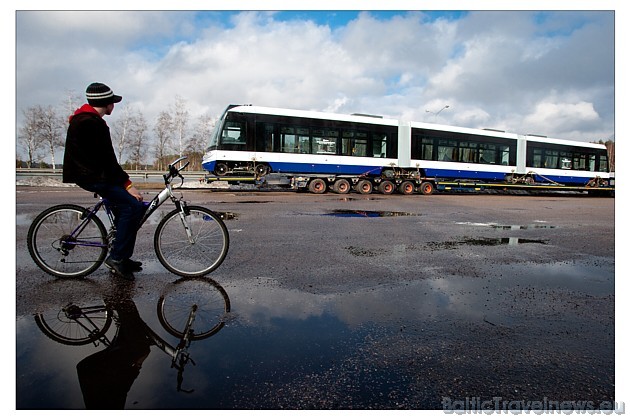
[(561, 117), (493, 69)]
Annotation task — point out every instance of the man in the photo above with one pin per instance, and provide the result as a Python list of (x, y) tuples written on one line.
[(90, 162)]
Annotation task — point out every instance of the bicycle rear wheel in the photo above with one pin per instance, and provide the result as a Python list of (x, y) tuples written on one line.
[(209, 246), (62, 242), (74, 324), (210, 300)]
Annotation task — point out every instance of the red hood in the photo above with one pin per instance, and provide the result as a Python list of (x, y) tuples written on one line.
[(86, 108)]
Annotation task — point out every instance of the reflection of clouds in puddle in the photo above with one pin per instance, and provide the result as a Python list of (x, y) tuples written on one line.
[(378, 305), (258, 306), (439, 298), (538, 224)]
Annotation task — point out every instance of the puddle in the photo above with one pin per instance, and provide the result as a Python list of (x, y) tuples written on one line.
[(403, 344), (511, 241), (365, 198), (368, 213), (522, 227), (508, 227)]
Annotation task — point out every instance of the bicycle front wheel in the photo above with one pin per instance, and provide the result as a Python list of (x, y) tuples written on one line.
[(209, 300), (64, 242), (195, 255)]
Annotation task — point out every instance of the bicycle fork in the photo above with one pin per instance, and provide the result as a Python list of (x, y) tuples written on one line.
[(183, 212), (181, 356)]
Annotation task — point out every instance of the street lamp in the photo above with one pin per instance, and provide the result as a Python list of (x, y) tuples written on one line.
[(435, 114)]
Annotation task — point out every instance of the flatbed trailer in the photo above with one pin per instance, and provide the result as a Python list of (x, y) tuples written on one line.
[(404, 181), (468, 186)]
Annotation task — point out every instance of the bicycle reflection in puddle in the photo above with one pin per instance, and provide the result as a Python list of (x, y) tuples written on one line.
[(190, 309)]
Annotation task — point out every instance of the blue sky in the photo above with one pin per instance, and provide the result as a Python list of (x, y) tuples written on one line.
[(543, 72)]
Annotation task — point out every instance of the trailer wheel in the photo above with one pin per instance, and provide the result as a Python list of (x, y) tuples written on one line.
[(221, 169), (364, 186), (317, 186), (341, 186), (386, 187), (427, 188), (406, 188)]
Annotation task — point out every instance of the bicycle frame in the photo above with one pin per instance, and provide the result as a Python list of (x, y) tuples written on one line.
[(86, 217), (152, 206)]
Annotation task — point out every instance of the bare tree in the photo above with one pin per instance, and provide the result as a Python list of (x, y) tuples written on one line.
[(50, 129), (180, 121), (71, 103), (610, 146), (28, 136), (138, 140), (163, 130), (120, 132), (199, 140)]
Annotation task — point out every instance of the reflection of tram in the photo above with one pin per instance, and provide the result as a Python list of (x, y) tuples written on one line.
[(257, 141)]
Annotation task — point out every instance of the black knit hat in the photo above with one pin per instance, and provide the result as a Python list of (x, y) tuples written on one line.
[(99, 94)]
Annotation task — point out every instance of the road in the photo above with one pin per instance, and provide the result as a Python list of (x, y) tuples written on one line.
[(373, 301)]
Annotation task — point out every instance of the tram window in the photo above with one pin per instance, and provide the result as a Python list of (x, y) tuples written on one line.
[(426, 149), (325, 142), (579, 161), (265, 137), (565, 160), (303, 140), (537, 161), (288, 140), (379, 145), (603, 163), (468, 152), (504, 155), (353, 143), (447, 150), (552, 159), (233, 135), (487, 153), (591, 163)]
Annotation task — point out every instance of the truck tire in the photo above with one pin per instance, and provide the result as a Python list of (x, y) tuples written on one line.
[(317, 186), (427, 188), (364, 187), (406, 187), (386, 187), (341, 186)]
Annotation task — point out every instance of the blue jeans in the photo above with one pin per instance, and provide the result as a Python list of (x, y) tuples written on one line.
[(128, 213)]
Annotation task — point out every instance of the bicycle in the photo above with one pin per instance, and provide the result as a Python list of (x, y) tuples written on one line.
[(189, 309), (68, 240)]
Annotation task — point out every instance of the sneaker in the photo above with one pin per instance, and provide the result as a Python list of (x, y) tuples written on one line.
[(133, 265), (119, 268)]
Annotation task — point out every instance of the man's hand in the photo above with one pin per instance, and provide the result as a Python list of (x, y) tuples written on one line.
[(135, 193)]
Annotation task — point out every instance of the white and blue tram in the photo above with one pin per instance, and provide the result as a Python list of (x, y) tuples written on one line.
[(260, 140)]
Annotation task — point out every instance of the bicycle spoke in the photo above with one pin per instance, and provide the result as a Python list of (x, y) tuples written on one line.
[(70, 325), (208, 297), (65, 244), (205, 253)]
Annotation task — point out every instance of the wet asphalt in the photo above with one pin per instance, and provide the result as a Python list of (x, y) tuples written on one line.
[(347, 302)]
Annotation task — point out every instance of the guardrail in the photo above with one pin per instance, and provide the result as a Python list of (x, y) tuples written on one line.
[(132, 174)]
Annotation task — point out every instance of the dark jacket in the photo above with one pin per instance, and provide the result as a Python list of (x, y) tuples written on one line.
[(89, 154)]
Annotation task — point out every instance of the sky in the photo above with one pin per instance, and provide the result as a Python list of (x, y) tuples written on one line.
[(526, 71)]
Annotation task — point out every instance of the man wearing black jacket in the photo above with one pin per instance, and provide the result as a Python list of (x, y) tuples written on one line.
[(90, 162)]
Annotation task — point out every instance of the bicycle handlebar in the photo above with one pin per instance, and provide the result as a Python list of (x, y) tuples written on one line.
[(174, 171)]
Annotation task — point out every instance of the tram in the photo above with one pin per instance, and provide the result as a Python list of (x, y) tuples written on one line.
[(260, 140)]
